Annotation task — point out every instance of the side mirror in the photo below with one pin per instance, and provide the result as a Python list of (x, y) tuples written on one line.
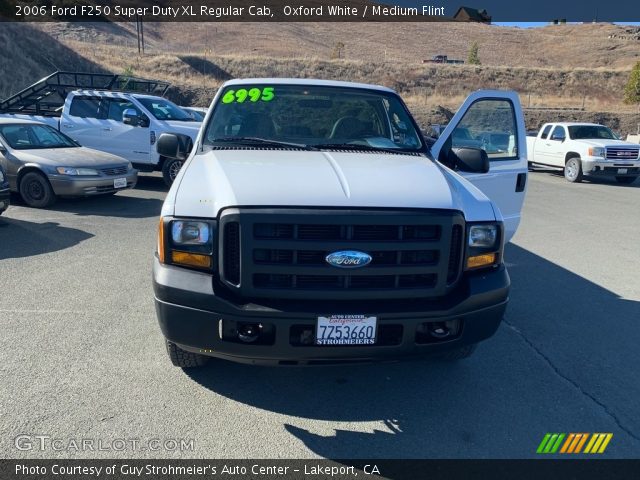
[(468, 159), (130, 117), (3, 149), (174, 145), (556, 137)]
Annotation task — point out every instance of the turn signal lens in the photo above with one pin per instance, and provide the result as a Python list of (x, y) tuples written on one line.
[(161, 241), (481, 260), (196, 260)]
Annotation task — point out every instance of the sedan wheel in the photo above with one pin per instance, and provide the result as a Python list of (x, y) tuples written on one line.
[(36, 190), (573, 170)]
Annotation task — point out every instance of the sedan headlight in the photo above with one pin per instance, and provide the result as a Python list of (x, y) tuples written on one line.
[(484, 245), (1, 177), (596, 151), (77, 171), (187, 243)]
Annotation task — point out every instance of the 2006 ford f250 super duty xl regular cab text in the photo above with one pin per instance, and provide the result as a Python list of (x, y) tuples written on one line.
[(311, 224)]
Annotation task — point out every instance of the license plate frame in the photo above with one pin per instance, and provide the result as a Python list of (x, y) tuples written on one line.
[(119, 183), (346, 330)]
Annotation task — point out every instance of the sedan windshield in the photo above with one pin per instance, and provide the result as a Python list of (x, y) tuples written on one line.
[(27, 136), (311, 116), (164, 109), (584, 132)]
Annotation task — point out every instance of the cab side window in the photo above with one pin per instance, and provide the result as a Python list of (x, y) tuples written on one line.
[(85, 107), (491, 126), (558, 134)]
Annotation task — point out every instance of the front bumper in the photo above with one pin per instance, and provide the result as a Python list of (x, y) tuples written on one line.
[(190, 312), (66, 186), (598, 166), (4, 197)]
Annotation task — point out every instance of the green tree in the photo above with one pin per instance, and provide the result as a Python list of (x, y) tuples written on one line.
[(632, 90), (473, 58)]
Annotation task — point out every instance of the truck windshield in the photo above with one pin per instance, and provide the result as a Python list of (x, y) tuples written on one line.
[(319, 117), (584, 132), (163, 109), (27, 136)]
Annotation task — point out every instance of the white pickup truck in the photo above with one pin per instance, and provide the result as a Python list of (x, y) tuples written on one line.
[(123, 124), (312, 224), (584, 149)]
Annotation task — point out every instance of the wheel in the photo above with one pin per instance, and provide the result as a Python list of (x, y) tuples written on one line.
[(458, 354), (183, 359), (573, 170), (36, 190), (626, 180), (170, 170)]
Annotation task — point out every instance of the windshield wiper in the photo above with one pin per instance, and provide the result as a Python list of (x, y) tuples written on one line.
[(263, 141), (355, 146)]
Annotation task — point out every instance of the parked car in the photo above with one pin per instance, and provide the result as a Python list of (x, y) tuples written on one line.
[(312, 224), (4, 191), (585, 149), (121, 123), (41, 164), (197, 113)]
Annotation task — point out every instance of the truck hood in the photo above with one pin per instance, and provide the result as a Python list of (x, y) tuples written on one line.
[(187, 128), (68, 157), (607, 143), (216, 179)]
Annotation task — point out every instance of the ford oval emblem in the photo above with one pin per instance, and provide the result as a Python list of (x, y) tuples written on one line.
[(348, 259)]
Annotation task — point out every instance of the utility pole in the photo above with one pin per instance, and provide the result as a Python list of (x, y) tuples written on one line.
[(140, 34)]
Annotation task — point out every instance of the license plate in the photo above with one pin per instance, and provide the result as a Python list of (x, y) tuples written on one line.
[(622, 171), (346, 330), (120, 183)]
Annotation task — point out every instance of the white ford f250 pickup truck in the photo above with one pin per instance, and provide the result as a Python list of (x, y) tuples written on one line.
[(584, 149), (121, 123), (311, 224)]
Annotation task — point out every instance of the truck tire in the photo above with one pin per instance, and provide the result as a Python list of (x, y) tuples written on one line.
[(170, 169), (626, 180), (35, 190), (573, 170), (183, 359), (458, 354)]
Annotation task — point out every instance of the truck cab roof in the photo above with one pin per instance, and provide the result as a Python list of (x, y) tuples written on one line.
[(306, 81)]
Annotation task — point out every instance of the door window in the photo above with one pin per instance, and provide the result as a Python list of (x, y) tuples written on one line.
[(117, 108), (545, 132), (491, 126), (558, 134)]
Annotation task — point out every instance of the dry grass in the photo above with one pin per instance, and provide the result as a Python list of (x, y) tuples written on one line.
[(420, 84), (568, 46)]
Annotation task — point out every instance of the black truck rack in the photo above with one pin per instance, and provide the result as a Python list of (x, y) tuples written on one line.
[(46, 97)]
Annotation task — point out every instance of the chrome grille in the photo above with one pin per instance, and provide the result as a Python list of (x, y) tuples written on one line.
[(114, 170), (622, 153)]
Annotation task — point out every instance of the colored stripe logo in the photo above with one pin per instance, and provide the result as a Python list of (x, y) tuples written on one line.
[(574, 443)]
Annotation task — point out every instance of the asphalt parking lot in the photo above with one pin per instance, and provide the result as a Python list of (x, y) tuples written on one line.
[(81, 355)]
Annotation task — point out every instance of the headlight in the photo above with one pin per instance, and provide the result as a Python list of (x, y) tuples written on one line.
[(483, 236), (1, 176), (596, 151), (484, 245), (188, 243), (77, 171)]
